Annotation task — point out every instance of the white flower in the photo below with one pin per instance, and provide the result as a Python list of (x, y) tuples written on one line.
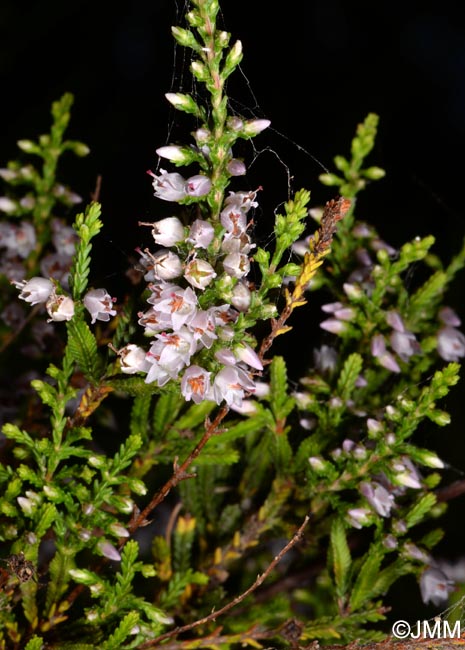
[(133, 359), (154, 321), (230, 385), (233, 219), (35, 290), (201, 234), (169, 187), (166, 265), (199, 273), (195, 384), (178, 306), (98, 303), (60, 307), (236, 265), (166, 232), (203, 327)]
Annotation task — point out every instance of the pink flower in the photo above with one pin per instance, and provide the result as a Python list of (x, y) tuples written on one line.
[(451, 344), (435, 586), (198, 185), (99, 303), (449, 317), (333, 325), (378, 497), (195, 384), (35, 290), (236, 167), (22, 239), (108, 550), (385, 358), (404, 344), (358, 517)]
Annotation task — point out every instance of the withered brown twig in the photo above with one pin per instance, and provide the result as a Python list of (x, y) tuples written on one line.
[(214, 615)]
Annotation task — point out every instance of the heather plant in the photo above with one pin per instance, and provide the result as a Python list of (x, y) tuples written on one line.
[(163, 481)]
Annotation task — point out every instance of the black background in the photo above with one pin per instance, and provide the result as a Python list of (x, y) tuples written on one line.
[(314, 68)]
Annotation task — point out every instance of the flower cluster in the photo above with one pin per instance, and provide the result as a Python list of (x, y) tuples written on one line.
[(183, 324), (60, 307)]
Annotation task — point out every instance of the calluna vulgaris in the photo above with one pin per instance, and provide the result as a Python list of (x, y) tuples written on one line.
[(162, 484)]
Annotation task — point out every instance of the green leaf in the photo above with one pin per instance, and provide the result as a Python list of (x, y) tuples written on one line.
[(281, 404), (83, 347), (36, 643), (419, 511), (115, 641), (363, 587), (87, 226), (340, 555), (195, 415), (48, 514), (166, 411), (349, 375)]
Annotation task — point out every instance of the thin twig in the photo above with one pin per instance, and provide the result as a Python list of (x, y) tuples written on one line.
[(214, 615), (179, 473)]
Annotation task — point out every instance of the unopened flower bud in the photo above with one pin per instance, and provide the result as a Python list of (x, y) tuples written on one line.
[(7, 205), (236, 167), (108, 550), (198, 185), (173, 153), (254, 127), (241, 297)]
